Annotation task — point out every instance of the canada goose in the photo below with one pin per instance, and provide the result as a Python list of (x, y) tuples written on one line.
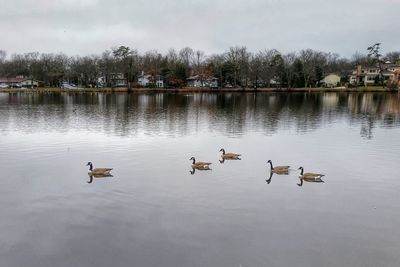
[(97, 176), (200, 165), (279, 169), (98, 171), (229, 155), (309, 175)]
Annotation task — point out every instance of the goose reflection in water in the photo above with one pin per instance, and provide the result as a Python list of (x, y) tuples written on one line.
[(286, 172), (97, 176), (193, 171), (223, 159), (310, 180)]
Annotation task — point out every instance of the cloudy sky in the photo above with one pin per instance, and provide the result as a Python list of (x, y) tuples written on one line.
[(91, 26)]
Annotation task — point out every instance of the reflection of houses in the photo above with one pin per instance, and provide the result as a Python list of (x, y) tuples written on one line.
[(148, 80), (202, 81), (18, 82), (330, 101), (370, 75), (331, 80)]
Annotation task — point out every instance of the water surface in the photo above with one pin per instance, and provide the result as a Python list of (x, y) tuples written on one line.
[(153, 212)]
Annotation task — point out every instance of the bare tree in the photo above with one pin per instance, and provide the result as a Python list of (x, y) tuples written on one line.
[(199, 58), (288, 61), (239, 61), (3, 55), (376, 56), (186, 56), (311, 60)]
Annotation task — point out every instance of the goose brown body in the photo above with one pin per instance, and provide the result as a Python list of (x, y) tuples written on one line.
[(278, 169), (98, 171), (229, 155), (309, 175), (101, 171), (200, 165)]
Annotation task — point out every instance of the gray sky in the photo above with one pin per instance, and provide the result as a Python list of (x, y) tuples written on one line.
[(91, 26)]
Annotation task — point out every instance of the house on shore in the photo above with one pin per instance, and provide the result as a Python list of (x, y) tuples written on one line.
[(202, 81), (370, 75), (331, 80), (112, 79), (148, 80), (19, 82), (118, 80)]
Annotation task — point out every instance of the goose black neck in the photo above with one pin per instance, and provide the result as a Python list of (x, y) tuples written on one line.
[(91, 167), (302, 170), (194, 160), (223, 151), (270, 163), (301, 182), (270, 178)]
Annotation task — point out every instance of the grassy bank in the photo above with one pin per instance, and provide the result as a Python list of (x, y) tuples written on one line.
[(194, 90)]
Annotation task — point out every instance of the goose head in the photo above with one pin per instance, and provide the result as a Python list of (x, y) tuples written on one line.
[(193, 159), (222, 150), (302, 170), (90, 165)]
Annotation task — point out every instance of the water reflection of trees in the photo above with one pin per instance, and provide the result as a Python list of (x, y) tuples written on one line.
[(180, 114)]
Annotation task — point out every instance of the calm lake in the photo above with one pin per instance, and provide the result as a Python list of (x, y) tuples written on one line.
[(154, 212)]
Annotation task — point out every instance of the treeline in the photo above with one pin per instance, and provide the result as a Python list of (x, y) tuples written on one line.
[(237, 66)]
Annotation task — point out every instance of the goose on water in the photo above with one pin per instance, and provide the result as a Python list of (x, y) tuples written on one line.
[(309, 175), (229, 155), (98, 171), (279, 169), (200, 165)]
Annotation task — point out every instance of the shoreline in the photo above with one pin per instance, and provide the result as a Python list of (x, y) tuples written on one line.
[(192, 90)]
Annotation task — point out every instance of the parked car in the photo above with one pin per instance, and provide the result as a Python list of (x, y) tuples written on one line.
[(66, 85), (120, 84), (3, 85)]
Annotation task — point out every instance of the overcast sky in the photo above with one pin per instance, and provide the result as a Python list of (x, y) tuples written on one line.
[(92, 26)]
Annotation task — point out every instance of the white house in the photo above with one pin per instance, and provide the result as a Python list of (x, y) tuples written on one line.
[(202, 81), (18, 82), (30, 83), (146, 80)]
